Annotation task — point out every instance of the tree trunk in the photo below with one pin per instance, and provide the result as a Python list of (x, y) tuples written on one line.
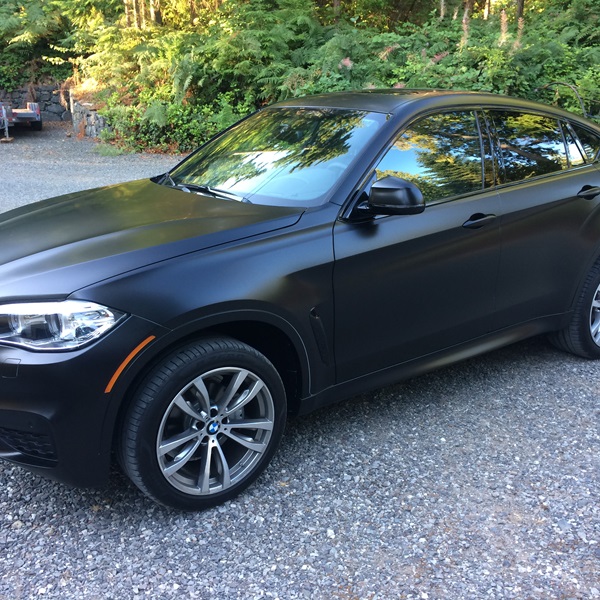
[(487, 10), (127, 13), (142, 11), (520, 8), (155, 12), (135, 16), (336, 9)]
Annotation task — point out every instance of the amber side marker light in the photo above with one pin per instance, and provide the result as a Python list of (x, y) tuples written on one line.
[(124, 364)]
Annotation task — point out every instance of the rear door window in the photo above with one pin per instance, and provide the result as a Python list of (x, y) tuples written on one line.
[(530, 145)]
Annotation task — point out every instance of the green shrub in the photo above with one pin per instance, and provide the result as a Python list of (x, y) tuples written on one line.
[(173, 86), (168, 127)]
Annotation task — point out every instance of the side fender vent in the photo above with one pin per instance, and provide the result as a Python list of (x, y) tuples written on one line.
[(320, 336)]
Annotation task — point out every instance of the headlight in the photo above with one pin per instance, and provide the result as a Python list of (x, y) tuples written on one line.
[(55, 325)]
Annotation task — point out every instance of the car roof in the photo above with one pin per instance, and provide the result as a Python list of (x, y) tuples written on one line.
[(414, 101), (375, 100)]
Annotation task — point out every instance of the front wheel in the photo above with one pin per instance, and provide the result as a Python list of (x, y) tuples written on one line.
[(582, 335), (204, 424)]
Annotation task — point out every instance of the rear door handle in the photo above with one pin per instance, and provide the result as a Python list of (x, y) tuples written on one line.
[(588, 192), (478, 220)]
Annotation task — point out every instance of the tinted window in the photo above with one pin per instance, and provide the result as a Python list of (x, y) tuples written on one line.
[(589, 142), (281, 156), (530, 145), (441, 154)]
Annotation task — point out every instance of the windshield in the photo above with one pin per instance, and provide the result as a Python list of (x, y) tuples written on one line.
[(279, 156)]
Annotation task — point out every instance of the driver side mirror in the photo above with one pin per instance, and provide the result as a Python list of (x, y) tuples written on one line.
[(395, 196)]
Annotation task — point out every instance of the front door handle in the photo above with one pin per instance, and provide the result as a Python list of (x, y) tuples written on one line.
[(588, 192), (478, 220)]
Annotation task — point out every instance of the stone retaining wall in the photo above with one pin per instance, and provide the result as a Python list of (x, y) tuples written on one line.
[(57, 104), (53, 101), (86, 120)]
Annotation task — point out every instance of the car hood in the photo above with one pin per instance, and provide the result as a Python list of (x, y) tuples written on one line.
[(54, 247)]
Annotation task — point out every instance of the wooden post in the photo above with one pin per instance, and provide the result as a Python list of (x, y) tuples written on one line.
[(4, 125)]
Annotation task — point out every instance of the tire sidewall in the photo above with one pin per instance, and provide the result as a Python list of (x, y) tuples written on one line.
[(584, 313)]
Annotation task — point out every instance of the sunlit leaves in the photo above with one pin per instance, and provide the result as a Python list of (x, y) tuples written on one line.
[(228, 57)]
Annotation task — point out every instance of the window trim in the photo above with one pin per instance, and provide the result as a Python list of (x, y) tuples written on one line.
[(497, 167)]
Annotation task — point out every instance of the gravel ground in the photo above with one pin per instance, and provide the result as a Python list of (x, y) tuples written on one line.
[(477, 481), (39, 165)]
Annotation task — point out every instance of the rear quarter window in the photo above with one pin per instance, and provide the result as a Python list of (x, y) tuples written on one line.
[(590, 142), (576, 154)]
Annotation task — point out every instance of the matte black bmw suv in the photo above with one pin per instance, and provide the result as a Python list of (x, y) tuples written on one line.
[(315, 250)]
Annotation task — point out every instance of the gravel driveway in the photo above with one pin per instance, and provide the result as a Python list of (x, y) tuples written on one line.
[(39, 165), (478, 481)]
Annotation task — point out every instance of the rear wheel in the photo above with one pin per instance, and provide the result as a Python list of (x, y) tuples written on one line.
[(582, 335), (36, 125), (204, 424)]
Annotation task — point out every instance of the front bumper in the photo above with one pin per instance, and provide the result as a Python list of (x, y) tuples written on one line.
[(56, 416)]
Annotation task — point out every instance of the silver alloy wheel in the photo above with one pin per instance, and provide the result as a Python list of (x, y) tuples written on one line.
[(215, 430), (595, 317)]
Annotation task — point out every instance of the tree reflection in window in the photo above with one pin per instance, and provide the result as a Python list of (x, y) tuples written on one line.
[(282, 156), (531, 145), (441, 154)]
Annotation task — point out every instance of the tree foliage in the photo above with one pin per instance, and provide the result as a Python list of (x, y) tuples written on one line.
[(172, 72)]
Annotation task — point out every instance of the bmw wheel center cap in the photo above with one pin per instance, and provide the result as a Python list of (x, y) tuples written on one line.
[(213, 427)]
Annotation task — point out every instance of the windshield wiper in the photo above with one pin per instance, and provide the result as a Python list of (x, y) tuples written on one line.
[(210, 191), (192, 188)]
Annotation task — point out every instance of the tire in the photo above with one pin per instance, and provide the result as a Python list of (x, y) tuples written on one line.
[(36, 125), (203, 425), (582, 335)]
